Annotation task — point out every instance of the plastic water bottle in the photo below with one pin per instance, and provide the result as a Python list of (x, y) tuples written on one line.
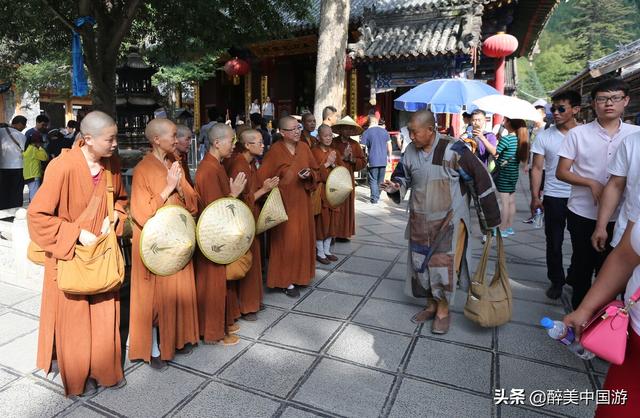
[(564, 334), (538, 219)]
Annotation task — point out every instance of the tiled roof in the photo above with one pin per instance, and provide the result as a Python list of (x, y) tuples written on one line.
[(623, 52)]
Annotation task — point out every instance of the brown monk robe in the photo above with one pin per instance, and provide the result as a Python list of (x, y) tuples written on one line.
[(327, 221), (70, 208), (248, 147), (212, 183), (308, 126), (291, 248), (353, 158), (160, 304)]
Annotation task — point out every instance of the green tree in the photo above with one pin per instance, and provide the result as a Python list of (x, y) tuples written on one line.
[(528, 86), (33, 31)]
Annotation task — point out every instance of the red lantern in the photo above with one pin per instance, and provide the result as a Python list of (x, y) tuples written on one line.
[(500, 45), (348, 64), (236, 67)]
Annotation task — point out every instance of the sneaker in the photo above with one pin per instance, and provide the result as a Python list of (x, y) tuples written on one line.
[(528, 221), (510, 231), (504, 234), (292, 293)]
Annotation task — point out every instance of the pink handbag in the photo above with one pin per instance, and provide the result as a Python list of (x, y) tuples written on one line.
[(607, 332)]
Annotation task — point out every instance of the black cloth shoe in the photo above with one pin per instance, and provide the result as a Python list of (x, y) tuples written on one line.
[(554, 292), (186, 350), (292, 293), (251, 317), (342, 240), (158, 364)]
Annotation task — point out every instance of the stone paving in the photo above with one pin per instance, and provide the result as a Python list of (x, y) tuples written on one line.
[(346, 347)]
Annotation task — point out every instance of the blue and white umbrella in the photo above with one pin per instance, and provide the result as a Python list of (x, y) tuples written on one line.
[(451, 95)]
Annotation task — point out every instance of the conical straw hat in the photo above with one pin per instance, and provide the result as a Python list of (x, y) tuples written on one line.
[(168, 240), (347, 126), (339, 186), (272, 213), (225, 230)]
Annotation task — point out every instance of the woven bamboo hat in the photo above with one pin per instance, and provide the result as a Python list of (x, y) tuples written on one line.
[(168, 240), (272, 213), (347, 126), (339, 186), (225, 230)]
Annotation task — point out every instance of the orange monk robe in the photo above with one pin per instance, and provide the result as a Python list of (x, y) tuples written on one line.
[(292, 253), (250, 288), (347, 218), (85, 329), (308, 139), (212, 183), (184, 163), (168, 302), (327, 220)]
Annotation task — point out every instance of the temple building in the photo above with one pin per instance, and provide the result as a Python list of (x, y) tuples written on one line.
[(393, 45)]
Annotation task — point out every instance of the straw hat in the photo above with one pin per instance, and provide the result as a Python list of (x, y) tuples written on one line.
[(272, 213), (168, 240), (225, 230), (347, 126), (339, 186)]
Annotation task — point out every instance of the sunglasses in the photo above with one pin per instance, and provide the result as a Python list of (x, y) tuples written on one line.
[(560, 109)]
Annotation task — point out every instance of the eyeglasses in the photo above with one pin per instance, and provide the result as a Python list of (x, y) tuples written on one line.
[(560, 109), (605, 99), (297, 128)]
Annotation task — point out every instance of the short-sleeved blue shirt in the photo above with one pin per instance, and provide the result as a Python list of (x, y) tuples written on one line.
[(376, 138)]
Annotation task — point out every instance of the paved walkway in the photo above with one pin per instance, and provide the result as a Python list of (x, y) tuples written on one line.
[(345, 348)]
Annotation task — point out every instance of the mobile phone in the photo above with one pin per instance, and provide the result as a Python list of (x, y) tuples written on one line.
[(303, 171)]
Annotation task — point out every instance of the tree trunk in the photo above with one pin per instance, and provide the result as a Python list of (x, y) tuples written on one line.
[(332, 45)]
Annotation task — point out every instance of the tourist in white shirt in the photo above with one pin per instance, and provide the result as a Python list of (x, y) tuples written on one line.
[(268, 110), (254, 108), (12, 142), (566, 106), (585, 156), (620, 273)]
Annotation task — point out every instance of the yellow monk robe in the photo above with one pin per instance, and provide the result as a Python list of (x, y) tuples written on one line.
[(327, 220), (347, 218)]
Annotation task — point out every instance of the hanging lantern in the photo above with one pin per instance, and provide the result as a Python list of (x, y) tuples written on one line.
[(500, 45), (348, 64), (236, 68)]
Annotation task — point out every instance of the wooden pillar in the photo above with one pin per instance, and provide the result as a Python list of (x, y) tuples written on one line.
[(196, 106), (264, 88), (353, 96), (247, 94), (343, 111), (179, 95), (68, 110)]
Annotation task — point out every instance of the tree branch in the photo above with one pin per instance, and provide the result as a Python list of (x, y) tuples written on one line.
[(59, 15), (125, 24)]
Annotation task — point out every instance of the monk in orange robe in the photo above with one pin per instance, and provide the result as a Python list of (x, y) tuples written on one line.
[(80, 333), (292, 243), (184, 135), (327, 220), (212, 183), (308, 126), (353, 158), (164, 305)]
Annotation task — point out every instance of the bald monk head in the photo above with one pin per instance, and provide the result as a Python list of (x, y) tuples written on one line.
[(183, 135), (325, 135), (221, 140), (290, 129), (161, 134), (99, 134), (250, 141), (422, 129)]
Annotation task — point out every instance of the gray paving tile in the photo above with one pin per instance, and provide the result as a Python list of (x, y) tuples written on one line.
[(14, 294), (210, 358), (332, 304), (302, 331), (464, 331), (507, 411), (370, 347), (30, 306), (453, 364), (348, 282), (218, 400), (85, 412), (345, 247), (394, 290), (419, 399), (269, 369), (535, 343), (275, 297), (20, 354), (390, 315), (532, 312), (365, 220), (253, 329), (384, 229), (149, 392), (522, 374), (526, 272), (599, 365), (364, 266), (291, 412), (345, 389), (27, 398), (398, 271), (377, 252), (6, 378), (532, 291), (14, 325)]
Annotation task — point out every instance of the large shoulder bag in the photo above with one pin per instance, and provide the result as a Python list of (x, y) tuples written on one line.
[(607, 332), (96, 268), (489, 304)]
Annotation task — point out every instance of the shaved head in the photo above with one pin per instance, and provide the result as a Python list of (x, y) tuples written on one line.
[(324, 127), (423, 118), (249, 135), (94, 123), (287, 122), (157, 127), (218, 131), (183, 131)]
